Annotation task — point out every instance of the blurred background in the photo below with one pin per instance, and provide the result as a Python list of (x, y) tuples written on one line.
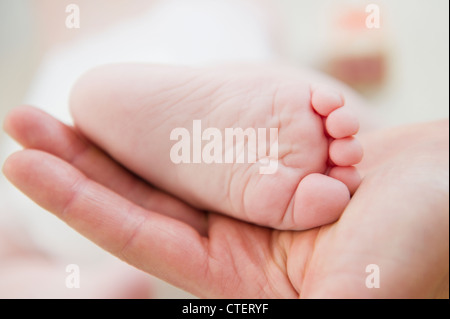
[(394, 53)]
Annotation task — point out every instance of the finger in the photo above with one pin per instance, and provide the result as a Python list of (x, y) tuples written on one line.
[(155, 243), (36, 129)]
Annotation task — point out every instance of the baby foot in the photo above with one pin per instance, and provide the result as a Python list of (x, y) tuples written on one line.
[(143, 114)]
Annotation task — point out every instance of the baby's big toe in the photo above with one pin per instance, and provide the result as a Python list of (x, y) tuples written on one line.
[(318, 200)]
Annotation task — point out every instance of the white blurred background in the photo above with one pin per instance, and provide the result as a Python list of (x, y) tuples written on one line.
[(402, 67)]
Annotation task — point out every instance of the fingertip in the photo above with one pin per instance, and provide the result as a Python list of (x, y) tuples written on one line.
[(17, 119), (14, 165), (6, 167), (8, 122)]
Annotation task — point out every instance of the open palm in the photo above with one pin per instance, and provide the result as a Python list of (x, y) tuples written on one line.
[(397, 220)]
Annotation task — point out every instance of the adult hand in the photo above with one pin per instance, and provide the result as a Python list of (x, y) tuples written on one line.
[(397, 220)]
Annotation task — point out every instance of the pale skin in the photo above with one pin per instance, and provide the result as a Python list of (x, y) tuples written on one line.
[(397, 219), (132, 110)]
